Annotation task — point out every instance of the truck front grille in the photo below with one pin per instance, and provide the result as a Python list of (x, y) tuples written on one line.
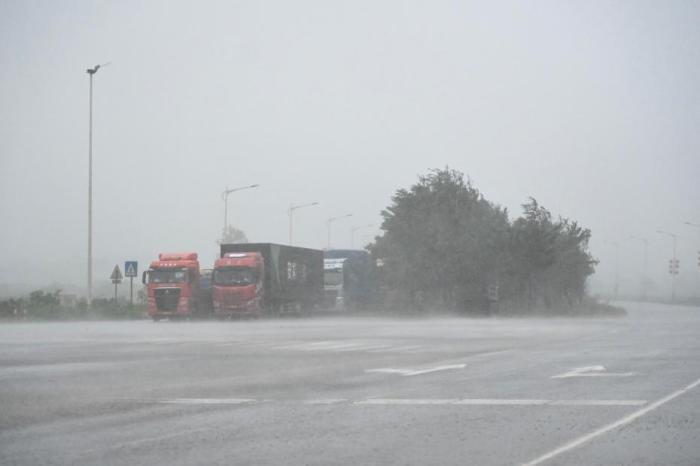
[(167, 298)]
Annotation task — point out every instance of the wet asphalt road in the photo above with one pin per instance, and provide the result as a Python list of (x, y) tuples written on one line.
[(355, 391)]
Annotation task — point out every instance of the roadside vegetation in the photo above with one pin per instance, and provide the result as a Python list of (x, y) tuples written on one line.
[(43, 305), (446, 247)]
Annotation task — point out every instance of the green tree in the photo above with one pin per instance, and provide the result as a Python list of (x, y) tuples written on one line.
[(443, 243), (232, 235)]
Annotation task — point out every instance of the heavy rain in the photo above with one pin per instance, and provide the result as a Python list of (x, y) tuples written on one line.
[(349, 232)]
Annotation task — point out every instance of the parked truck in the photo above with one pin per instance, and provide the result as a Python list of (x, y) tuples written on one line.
[(173, 287), (349, 279), (252, 279)]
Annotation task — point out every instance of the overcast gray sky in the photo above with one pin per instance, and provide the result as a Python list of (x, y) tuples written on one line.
[(593, 108)]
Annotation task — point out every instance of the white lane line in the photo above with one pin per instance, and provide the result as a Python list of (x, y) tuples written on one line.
[(493, 402), (399, 401), (592, 371), (327, 401), (501, 402), (605, 429), (363, 347), (205, 401), (411, 372), (598, 403), (396, 349)]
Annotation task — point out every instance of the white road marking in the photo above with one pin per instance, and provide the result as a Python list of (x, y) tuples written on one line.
[(598, 403), (495, 402), (592, 371), (327, 401), (398, 401), (411, 372), (396, 349), (605, 429), (206, 401), (501, 402)]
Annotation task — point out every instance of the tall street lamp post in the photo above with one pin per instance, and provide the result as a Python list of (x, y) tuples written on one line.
[(673, 269), (330, 222), (91, 72), (225, 195), (617, 267), (292, 208), (696, 225)]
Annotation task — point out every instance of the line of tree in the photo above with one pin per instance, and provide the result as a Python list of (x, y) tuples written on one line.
[(445, 246)]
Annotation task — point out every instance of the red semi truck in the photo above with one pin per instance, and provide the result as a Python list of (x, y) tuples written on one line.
[(173, 286), (264, 278)]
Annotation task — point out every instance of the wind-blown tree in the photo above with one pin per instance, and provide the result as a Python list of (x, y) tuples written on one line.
[(443, 243), (549, 259)]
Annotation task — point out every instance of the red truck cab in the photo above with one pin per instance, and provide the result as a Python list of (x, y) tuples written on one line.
[(172, 284), (237, 284)]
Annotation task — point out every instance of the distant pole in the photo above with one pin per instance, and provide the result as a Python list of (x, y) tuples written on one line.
[(91, 72), (672, 268), (354, 229), (644, 270), (696, 225), (292, 208), (131, 291), (330, 222), (224, 196), (617, 268)]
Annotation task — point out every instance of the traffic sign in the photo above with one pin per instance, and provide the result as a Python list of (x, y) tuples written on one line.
[(116, 276), (131, 269)]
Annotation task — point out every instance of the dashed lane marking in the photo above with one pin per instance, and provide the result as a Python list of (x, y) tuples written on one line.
[(398, 402), (412, 372), (495, 402), (592, 371), (206, 401), (612, 426)]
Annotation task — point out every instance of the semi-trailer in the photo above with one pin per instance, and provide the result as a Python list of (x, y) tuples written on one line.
[(349, 279), (253, 279)]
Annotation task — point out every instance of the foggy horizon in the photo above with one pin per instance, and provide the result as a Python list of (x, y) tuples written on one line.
[(592, 109)]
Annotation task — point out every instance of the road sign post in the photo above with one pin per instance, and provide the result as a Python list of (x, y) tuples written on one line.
[(131, 270), (116, 279)]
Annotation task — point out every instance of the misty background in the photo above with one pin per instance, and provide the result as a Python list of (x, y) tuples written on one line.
[(592, 108)]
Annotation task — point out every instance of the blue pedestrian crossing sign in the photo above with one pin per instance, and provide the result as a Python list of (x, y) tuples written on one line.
[(131, 268)]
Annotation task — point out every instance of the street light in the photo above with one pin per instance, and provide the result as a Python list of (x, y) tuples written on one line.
[(646, 255), (673, 263), (224, 196), (696, 225), (292, 208), (354, 229), (91, 72), (617, 266), (330, 221)]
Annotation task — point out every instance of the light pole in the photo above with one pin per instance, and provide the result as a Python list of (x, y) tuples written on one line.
[(672, 268), (354, 229), (224, 196), (329, 222), (91, 72), (644, 271), (617, 267), (292, 208), (696, 225)]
